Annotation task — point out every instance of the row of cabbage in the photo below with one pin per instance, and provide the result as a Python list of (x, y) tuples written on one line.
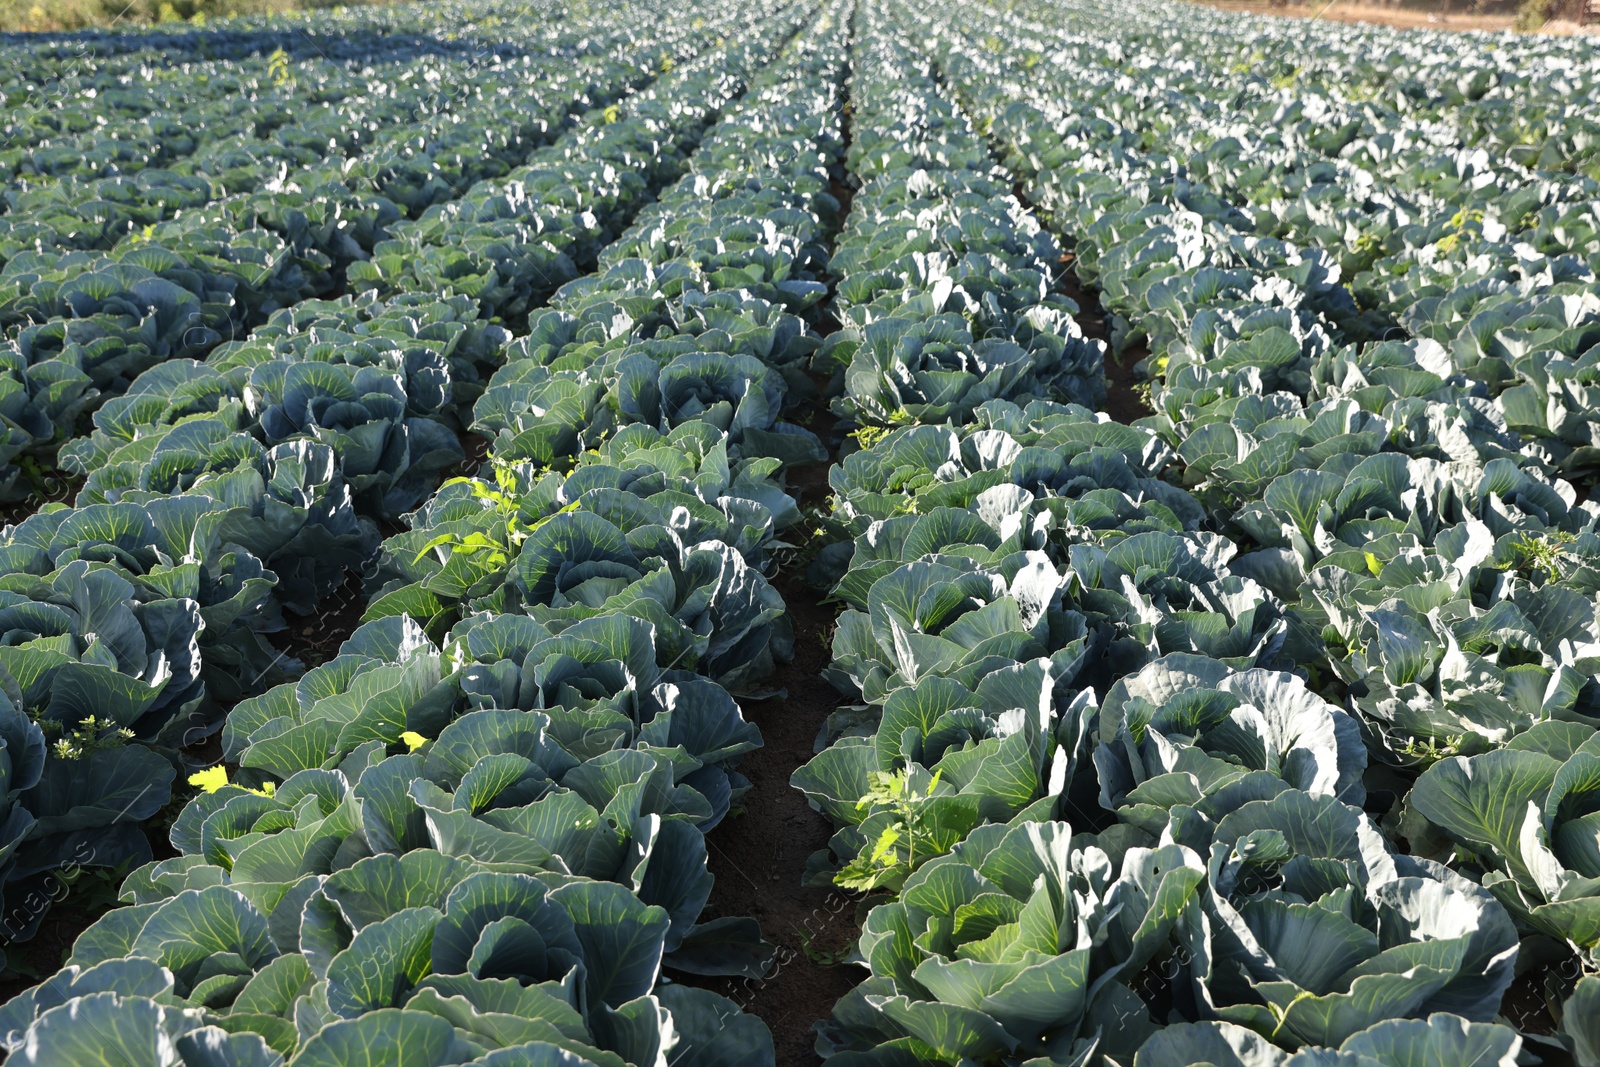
[(400, 129), (1429, 226), (81, 324), (225, 492), (177, 99), (1530, 99), (1397, 228), (1263, 448), (999, 570), (348, 31), (485, 848), (1456, 692), (1179, 870)]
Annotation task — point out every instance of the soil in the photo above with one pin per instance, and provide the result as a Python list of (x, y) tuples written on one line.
[(1124, 401), (759, 857), (29, 962), (1375, 14), (48, 486), (315, 639), (1402, 18)]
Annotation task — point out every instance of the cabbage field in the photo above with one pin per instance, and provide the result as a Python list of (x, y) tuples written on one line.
[(1135, 458)]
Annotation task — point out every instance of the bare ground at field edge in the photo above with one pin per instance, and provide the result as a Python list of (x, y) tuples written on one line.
[(1402, 18)]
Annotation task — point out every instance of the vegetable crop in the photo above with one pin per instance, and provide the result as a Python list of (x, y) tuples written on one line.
[(1186, 432)]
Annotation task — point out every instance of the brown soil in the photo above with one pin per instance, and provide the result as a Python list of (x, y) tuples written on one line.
[(315, 639), (49, 486), (1375, 14), (759, 858), (1402, 18), (1124, 403), (29, 962)]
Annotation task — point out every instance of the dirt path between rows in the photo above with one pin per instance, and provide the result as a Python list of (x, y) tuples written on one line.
[(759, 857)]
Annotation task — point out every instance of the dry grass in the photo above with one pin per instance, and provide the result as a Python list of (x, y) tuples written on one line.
[(1567, 27)]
